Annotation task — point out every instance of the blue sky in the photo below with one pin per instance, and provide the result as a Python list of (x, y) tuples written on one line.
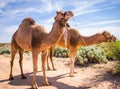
[(91, 16)]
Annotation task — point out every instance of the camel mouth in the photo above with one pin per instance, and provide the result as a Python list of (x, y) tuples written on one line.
[(63, 22), (111, 38), (66, 17)]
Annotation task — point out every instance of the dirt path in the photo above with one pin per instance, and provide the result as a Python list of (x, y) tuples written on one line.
[(92, 77)]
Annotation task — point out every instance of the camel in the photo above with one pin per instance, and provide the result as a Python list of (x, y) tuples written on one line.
[(75, 40), (33, 37)]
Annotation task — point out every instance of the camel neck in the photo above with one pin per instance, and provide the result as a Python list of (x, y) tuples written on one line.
[(89, 40), (55, 34)]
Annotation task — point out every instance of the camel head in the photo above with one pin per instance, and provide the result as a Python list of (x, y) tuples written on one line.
[(108, 36), (62, 17), (68, 15)]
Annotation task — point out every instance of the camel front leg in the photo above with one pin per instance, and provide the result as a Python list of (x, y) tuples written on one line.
[(71, 67), (48, 67), (34, 55), (44, 57), (72, 58)]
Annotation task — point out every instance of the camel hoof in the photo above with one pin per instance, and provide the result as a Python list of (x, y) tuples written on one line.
[(54, 69), (47, 84), (48, 69), (23, 77), (34, 87), (11, 78), (71, 75), (75, 72)]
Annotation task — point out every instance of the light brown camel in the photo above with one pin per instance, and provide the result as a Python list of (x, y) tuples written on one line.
[(33, 37), (75, 40)]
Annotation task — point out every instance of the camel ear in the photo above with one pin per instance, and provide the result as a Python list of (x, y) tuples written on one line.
[(104, 31), (57, 12)]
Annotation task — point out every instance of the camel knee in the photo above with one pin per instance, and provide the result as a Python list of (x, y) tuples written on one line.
[(20, 62), (11, 62), (35, 69), (43, 68), (71, 61)]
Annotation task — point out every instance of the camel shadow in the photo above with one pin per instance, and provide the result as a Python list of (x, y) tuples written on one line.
[(53, 81), (114, 79)]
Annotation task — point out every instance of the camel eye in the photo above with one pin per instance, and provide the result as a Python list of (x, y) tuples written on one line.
[(62, 14)]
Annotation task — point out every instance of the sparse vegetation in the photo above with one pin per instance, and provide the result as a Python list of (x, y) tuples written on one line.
[(90, 54), (114, 53), (4, 50), (61, 52)]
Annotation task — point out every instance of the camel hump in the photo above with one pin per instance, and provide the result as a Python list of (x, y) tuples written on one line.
[(28, 21)]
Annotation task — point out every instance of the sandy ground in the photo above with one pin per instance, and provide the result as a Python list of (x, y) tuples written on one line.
[(94, 76)]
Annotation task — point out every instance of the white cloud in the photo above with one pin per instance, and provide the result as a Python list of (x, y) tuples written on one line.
[(101, 23), (45, 6), (52, 5), (1, 12), (10, 29), (7, 32), (3, 3), (82, 5), (23, 11), (91, 11)]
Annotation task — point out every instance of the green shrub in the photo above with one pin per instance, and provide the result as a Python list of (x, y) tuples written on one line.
[(114, 52), (4, 51), (61, 52), (91, 54)]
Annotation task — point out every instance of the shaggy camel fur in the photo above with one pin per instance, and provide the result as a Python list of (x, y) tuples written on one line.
[(75, 40), (33, 37)]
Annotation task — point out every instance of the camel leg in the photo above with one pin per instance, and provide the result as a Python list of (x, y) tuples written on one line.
[(34, 55), (48, 67), (51, 59), (21, 51), (14, 48), (72, 58), (44, 57)]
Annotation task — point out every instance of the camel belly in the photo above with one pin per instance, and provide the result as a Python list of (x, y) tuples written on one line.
[(24, 42)]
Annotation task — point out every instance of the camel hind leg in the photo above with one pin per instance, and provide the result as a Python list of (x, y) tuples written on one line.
[(51, 59), (21, 51), (14, 48)]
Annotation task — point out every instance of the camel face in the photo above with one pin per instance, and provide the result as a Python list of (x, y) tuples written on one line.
[(109, 37), (63, 17), (113, 38), (68, 15)]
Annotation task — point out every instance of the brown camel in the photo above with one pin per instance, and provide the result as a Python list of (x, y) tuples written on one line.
[(75, 40), (34, 38)]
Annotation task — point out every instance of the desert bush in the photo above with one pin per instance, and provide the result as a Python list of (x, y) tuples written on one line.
[(4, 50), (90, 54), (61, 52), (114, 52)]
